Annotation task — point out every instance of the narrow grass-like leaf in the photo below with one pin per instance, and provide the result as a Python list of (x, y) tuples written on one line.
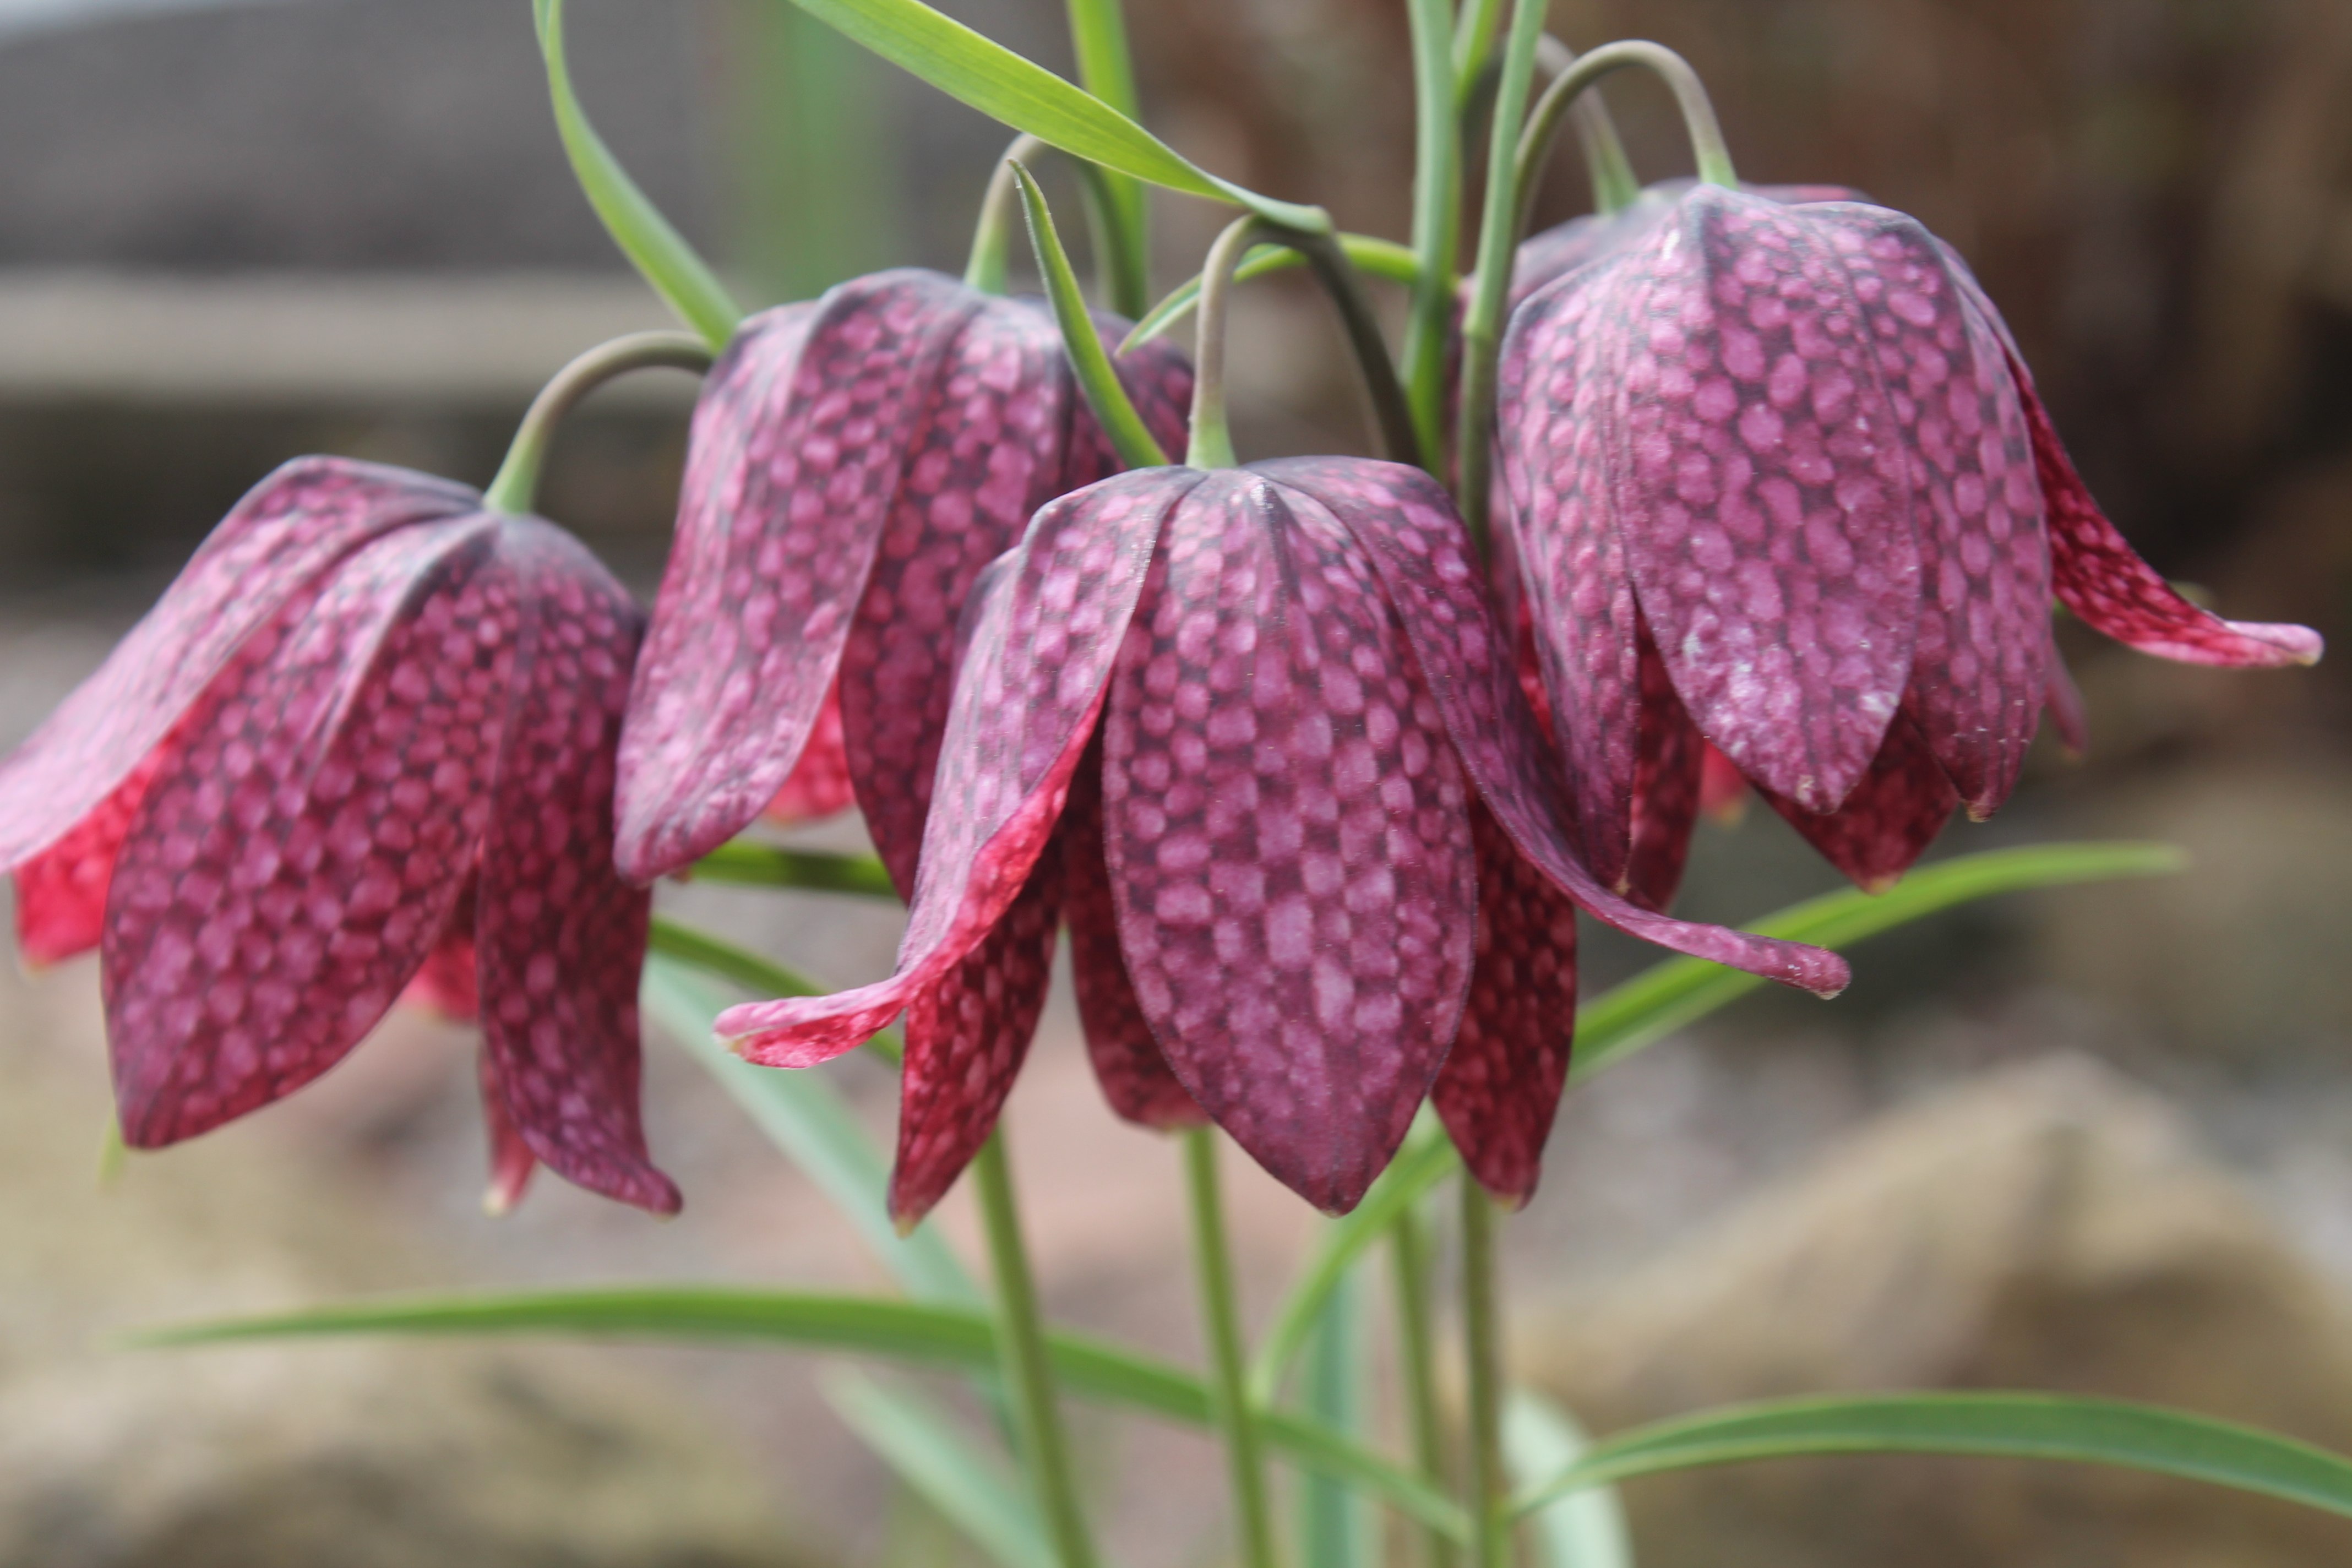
[(973, 1489), (1585, 1529), (1995, 1425), (806, 1117), (1335, 1528), (1379, 258), (918, 1332), (1129, 437), (1677, 993), (657, 249), (747, 862), (974, 69)]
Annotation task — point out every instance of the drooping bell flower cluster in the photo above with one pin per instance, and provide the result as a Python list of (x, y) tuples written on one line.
[(854, 462), (365, 739), (1778, 480), (1256, 731)]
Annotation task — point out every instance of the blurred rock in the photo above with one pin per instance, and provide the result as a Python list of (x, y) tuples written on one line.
[(2048, 1228), (361, 1454)]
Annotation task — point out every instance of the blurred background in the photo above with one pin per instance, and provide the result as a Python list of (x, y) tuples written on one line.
[(2097, 1139)]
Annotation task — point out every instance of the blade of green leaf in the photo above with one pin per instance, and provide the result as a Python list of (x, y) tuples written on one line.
[(1585, 1529), (1998, 1426), (975, 70), (657, 249), (1129, 437), (747, 862), (1666, 997), (932, 1334), (806, 1117), (1381, 258), (971, 1489), (1679, 991), (1335, 1529), (1106, 70)]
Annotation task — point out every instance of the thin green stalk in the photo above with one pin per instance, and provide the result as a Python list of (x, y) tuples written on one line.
[(1236, 1417), (991, 237), (1474, 45), (1615, 186), (1499, 236), (1417, 1353), (1392, 410), (1436, 222), (1714, 158), (1107, 69), (1213, 441), (1020, 1349), (516, 488), (1482, 1335)]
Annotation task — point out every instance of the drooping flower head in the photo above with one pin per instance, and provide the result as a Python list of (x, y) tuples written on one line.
[(1255, 731), (1778, 478), (854, 463), (367, 736)]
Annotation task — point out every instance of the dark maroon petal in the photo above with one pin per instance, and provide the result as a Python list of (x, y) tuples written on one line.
[(818, 785), (305, 843), (1416, 542), (560, 937), (966, 1038), (450, 983), (265, 555), (1287, 837), (2098, 575), (1044, 626), (1501, 1085), (511, 1160), (798, 448), (61, 890), (1135, 1077), (1891, 817), (1759, 470), (1573, 577), (1665, 789), (1978, 673), (2064, 701)]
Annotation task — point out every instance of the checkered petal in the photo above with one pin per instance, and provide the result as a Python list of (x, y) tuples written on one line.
[(1891, 816)]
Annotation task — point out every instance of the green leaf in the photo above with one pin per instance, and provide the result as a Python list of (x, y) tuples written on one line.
[(747, 862), (1664, 998), (806, 1117), (657, 250), (1006, 87), (1381, 258), (1585, 1529), (970, 1488), (1995, 1425), (1679, 991), (934, 1334), (1335, 1529), (1129, 437), (1107, 69)]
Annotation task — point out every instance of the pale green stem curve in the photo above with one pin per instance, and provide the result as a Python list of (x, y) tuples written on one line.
[(1714, 158), (1213, 442), (991, 237), (516, 487), (1609, 171), (1236, 1415)]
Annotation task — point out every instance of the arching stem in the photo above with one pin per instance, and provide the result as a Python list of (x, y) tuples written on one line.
[(516, 488), (1213, 442), (991, 237), (1705, 131), (1606, 167)]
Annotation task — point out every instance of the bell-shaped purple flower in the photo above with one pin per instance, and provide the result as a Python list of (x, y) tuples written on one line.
[(1777, 477), (854, 463), (1255, 731), (369, 732)]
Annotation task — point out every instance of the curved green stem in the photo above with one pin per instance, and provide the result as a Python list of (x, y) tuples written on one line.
[(1606, 168), (1020, 1349), (1690, 95), (1436, 221), (1107, 69), (1498, 238), (1474, 47), (1383, 259), (1391, 409), (1213, 442), (1417, 1356), (991, 237), (516, 487), (1482, 1333), (1236, 1415)]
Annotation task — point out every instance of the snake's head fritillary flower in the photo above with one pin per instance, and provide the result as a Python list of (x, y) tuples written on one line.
[(1555, 252), (1778, 478), (854, 463), (365, 740), (1256, 731)]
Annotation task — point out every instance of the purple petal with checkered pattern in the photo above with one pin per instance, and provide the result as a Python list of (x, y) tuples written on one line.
[(511, 1160), (301, 851), (1559, 250), (1287, 837), (1416, 540), (560, 936), (1666, 770), (1044, 627), (1891, 816), (1500, 1088), (265, 555)]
